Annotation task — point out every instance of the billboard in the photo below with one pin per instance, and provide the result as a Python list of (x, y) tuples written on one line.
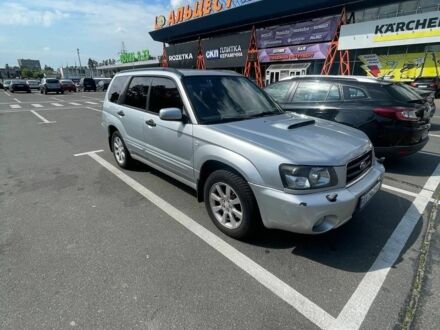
[(294, 53), (396, 31), (401, 67), (315, 31), (226, 52), (182, 55)]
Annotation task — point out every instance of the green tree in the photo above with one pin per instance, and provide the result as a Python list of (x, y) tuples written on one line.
[(26, 73), (38, 74)]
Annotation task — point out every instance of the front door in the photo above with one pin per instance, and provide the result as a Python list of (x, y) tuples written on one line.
[(170, 143)]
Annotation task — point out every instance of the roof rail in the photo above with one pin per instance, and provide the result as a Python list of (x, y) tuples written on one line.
[(173, 70)]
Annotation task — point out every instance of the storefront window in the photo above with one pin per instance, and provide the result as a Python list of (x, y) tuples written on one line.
[(428, 5), (371, 14), (408, 7), (389, 11)]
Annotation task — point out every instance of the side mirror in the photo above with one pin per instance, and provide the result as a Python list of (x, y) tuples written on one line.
[(171, 114)]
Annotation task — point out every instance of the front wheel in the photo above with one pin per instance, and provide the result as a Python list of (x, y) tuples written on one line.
[(120, 151), (231, 204)]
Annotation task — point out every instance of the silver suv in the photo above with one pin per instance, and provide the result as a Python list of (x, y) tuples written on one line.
[(248, 160)]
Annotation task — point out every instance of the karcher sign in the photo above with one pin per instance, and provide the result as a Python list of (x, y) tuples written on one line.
[(396, 31)]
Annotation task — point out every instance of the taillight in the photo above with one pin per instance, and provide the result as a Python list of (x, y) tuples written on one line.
[(397, 113)]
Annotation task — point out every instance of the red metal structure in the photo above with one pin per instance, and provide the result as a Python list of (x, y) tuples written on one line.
[(344, 59), (164, 60), (201, 65), (252, 60)]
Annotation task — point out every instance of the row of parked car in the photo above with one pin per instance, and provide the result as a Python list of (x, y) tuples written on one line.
[(299, 156), (52, 85)]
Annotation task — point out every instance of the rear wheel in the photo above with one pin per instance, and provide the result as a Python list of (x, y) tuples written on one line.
[(231, 204), (120, 151)]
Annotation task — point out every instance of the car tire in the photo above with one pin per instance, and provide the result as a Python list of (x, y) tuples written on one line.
[(227, 197), (45, 91), (12, 91), (62, 92), (120, 151)]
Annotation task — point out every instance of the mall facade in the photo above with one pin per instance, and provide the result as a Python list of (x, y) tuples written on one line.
[(397, 40)]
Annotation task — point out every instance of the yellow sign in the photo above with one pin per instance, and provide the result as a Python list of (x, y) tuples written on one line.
[(402, 67), (198, 9)]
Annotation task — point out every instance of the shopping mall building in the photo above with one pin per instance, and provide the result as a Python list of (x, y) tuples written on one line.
[(398, 40)]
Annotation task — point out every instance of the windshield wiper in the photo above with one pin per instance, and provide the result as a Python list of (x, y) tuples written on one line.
[(264, 114)]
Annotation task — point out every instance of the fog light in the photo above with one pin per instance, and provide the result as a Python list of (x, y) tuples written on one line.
[(325, 224)]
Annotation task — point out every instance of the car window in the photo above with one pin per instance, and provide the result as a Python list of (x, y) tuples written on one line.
[(137, 92), (334, 94), (164, 94), (402, 93), (279, 90), (354, 93), (52, 81), (311, 92), (117, 88)]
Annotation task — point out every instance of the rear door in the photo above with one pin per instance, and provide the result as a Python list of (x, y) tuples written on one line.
[(170, 143), (130, 109)]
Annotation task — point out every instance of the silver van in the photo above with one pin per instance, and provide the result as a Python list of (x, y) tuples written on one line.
[(249, 161)]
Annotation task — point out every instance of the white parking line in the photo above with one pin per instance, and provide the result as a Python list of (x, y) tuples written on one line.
[(434, 135), (306, 307), (93, 109), (17, 100), (15, 106), (404, 192), (57, 104), (88, 102), (44, 120), (57, 99), (7, 93), (74, 103), (36, 105), (356, 309)]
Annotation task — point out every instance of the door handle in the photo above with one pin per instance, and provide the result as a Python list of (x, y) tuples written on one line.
[(121, 113), (150, 123)]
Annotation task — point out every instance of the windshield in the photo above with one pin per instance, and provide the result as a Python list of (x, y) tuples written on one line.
[(403, 93), (218, 99), (32, 82), (19, 82), (52, 81), (67, 82), (425, 80)]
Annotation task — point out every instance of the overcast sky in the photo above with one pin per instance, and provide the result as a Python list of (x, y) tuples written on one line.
[(51, 30)]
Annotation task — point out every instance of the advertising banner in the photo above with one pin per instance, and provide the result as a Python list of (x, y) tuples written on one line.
[(226, 52), (401, 67), (182, 55), (315, 31), (294, 53), (396, 31)]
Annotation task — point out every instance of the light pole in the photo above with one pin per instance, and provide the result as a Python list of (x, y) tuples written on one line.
[(79, 59)]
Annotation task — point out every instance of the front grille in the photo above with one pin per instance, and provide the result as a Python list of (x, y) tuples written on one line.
[(358, 166)]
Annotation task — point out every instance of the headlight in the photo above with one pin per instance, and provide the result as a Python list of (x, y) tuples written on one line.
[(307, 177)]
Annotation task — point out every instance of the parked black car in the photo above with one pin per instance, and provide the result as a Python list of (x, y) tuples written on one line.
[(395, 119), (428, 83), (428, 95), (19, 86), (102, 84), (87, 84)]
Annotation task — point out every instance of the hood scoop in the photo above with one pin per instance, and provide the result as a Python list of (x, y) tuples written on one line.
[(291, 124)]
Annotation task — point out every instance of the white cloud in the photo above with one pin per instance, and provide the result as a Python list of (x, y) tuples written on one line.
[(46, 48), (179, 3), (18, 14)]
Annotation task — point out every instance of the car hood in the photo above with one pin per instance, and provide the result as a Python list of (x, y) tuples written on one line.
[(300, 139)]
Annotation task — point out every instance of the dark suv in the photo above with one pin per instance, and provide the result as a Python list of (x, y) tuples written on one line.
[(395, 118), (428, 83), (87, 84)]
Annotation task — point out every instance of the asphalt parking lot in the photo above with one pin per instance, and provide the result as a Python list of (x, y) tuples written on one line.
[(85, 244)]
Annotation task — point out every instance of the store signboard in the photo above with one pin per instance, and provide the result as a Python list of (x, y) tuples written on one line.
[(401, 67), (396, 31), (226, 52), (294, 53), (315, 31), (182, 55)]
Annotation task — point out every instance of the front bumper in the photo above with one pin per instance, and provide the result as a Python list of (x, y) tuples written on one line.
[(313, 213)]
